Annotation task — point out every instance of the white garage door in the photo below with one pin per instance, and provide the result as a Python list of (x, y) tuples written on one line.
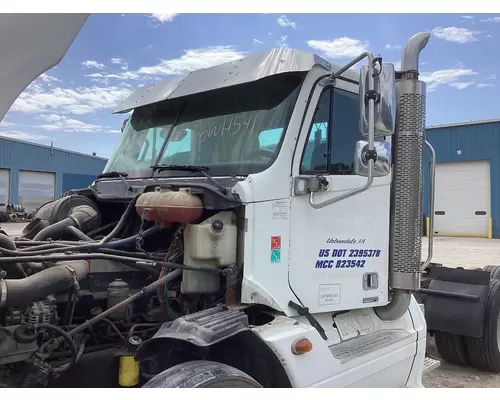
[(463, 199), (35, 188), (4, 188)]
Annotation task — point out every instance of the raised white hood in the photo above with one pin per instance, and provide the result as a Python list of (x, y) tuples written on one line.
[(31, 44)]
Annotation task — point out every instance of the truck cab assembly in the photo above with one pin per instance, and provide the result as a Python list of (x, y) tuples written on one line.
[(257, 219)]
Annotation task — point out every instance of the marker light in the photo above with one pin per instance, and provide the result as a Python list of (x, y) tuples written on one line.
[(301, 346)]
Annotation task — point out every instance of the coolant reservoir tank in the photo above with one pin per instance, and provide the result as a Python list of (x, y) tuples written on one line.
[(169, 206)]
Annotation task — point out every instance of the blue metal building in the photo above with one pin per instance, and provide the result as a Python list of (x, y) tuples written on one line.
[(31, 174), (467, 201)]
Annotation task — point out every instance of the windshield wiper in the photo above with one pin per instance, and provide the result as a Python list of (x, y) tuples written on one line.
[(112, 174), (191, 168)]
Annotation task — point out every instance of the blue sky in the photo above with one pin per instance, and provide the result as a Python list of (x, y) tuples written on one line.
[(71, 104)]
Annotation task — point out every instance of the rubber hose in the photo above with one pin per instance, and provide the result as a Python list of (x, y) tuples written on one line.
[(8, 243), (67, 338), (82, 217), (55, 231), (130, 240), (121, 223), (78, 233), (20, 292), (81, 350)]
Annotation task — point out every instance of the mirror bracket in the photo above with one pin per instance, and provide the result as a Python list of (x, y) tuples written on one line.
[(372, 95), (370, 155)]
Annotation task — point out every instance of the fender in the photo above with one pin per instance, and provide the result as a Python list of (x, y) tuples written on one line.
[(222, 335), (455, 300)]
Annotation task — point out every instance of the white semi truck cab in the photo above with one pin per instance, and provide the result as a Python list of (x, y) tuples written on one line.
[(258, 225)]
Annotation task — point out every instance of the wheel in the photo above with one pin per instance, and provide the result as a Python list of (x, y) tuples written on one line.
[(452, 348), (494, 271), (202, 374), (4, 217), (484, 353)]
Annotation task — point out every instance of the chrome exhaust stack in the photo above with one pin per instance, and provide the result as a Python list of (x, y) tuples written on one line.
[(407, 183)]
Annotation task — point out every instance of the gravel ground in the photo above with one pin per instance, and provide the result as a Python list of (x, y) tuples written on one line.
[(453, 252)]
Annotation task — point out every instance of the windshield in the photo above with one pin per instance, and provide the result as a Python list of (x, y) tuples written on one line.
[(233, 131)]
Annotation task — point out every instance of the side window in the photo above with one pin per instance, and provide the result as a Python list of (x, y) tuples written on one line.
[(331, 142), (315, 155), (269, 139), (345, 132)]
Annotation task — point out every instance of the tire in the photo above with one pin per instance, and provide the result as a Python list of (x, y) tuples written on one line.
[(202, 374), (484, 353), (452, 348), (494, 271), (4, 217)]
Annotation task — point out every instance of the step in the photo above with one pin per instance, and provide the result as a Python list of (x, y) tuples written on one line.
[(361, 345), (430, 364)]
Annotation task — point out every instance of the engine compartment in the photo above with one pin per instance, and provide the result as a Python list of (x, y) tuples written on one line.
[(89, 275)]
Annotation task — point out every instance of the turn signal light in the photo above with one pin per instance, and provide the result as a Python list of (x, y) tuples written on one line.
[(301, 346)]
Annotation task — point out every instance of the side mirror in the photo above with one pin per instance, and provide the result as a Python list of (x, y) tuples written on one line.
[(176, 136), (385, 103), (382, 165)]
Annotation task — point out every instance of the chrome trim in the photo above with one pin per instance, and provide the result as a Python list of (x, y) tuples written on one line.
[(3, 292), (432, 192), (371, 134)]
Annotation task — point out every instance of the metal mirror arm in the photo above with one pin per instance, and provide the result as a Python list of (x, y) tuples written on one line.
[(371, 154), (432, 188)]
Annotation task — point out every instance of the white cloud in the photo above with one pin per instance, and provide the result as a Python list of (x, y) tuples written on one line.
[(454, 34), (48, 78), (270, 33), (483, 85), (61, 123), (5, 124), (282, 41), (344, 47), (393, 47), (192, 60), (448, 77), (284, 22), (163, 17), (257, 42), (105, 77), (93, 64), (467, 16), (491, 76), (79, 101), (461, 85), (118, 61), (22, 135), (491, 19)]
